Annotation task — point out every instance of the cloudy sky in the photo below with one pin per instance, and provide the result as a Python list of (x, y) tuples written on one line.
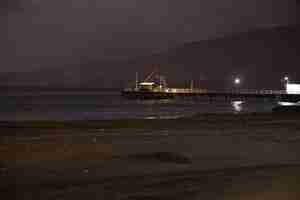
[(44, 33)]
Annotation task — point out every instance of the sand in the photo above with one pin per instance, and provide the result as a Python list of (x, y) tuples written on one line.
[(249, 156)]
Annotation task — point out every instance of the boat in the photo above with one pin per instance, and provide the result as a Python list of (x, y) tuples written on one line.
[(155, 87), (149, 89)]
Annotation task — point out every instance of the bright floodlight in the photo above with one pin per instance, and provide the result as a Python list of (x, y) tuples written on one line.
[(293, 88), (237, 81)]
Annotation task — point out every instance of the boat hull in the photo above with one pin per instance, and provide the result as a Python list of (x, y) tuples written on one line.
[(147, 95)]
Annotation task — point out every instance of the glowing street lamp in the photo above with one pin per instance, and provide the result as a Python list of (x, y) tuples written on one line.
[(237, 81)]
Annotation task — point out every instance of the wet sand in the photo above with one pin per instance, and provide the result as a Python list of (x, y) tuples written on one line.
[(249, 156)]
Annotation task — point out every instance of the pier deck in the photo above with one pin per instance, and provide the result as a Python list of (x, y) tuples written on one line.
[(279, 95)]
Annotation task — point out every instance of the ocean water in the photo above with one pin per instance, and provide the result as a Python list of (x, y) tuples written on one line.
[(98, 105)]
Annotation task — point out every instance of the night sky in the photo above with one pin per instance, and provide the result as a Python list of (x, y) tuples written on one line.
[(40, 34)]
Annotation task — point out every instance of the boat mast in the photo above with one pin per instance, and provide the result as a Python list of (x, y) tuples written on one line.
[(160, 81), (149, 76), (136, 80), (192, 84)]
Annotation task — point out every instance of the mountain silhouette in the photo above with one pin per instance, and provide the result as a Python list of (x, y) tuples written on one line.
[(259, 57)]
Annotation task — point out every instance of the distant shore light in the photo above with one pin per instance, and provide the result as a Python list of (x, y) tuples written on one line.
[(286, 78)]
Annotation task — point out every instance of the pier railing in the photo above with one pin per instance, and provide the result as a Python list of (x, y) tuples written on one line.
[(249, 91), (161, 93), (205, 91)]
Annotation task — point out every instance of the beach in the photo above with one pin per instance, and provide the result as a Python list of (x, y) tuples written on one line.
[(205, 156), (149, 100)]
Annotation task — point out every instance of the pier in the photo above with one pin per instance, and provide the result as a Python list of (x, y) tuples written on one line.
[(152, 90), (169, 93)]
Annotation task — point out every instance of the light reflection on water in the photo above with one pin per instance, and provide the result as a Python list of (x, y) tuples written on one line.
[(237, 106), (152, 102), (288, 103)]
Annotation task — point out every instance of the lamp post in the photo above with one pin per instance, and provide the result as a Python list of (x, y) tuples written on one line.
[(237, 82), (136, 80)]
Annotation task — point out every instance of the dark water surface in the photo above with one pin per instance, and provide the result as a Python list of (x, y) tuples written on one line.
[(99, 105)]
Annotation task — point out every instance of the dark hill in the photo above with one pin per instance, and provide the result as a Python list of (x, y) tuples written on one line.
[(261, 57)]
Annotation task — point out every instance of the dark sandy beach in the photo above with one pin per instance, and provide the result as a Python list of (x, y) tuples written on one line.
[(209, 156)]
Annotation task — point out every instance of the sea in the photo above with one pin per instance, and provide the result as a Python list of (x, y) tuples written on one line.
[(110, 105)]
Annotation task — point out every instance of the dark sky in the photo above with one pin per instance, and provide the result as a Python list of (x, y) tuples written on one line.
[(43, 33)]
